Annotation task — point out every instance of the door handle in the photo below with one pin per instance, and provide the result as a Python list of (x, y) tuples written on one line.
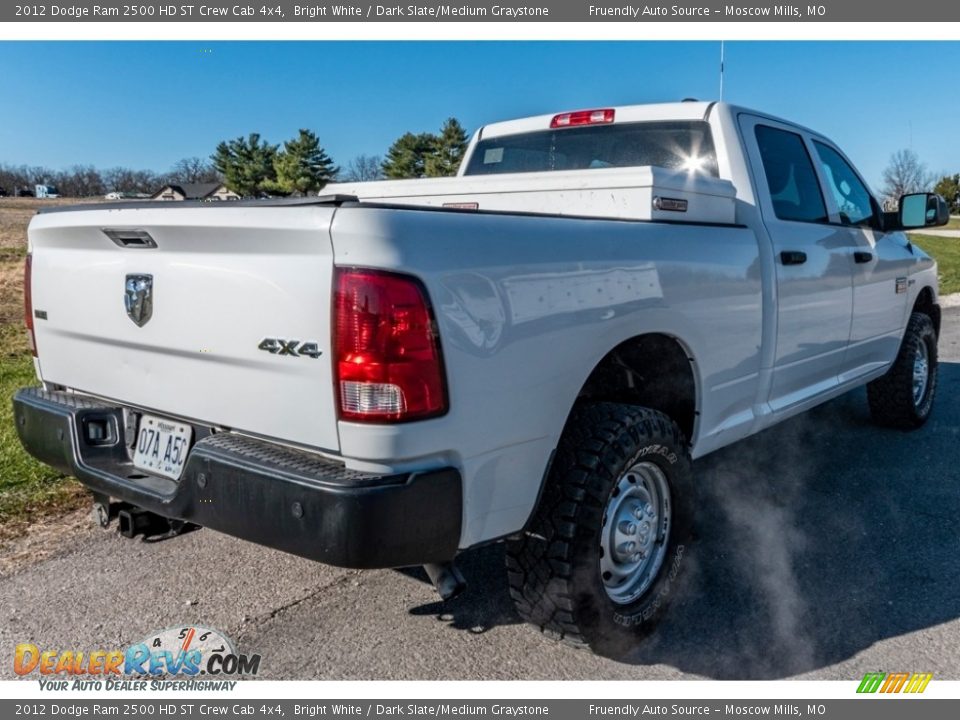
[(793, 257), (861, 256)]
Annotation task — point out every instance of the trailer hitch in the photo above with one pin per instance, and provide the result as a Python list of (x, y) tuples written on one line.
[(135, 521)]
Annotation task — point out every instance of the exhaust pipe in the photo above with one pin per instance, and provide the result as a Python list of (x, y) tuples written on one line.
[(103, 512), (446, 578)]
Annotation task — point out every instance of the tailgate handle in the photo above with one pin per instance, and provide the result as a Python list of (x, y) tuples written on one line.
[(133, 239)]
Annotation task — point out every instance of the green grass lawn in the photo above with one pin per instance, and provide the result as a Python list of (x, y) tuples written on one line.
[(946, 251), (27, 488)]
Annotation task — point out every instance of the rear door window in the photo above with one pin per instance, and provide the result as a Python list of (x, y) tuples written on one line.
[(794, 188)]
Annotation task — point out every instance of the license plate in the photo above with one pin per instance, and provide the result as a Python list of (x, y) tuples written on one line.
[(162, 446)]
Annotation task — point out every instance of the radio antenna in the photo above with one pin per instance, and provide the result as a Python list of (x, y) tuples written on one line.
[(721, 70)]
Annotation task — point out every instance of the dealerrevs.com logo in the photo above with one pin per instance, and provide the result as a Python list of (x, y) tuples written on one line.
[(889, 683), (177, 652)]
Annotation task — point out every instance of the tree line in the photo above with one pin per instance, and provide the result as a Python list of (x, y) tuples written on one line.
[(88, 181), (251, 167)]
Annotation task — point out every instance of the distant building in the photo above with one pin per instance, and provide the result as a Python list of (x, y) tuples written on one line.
[(195, 191)]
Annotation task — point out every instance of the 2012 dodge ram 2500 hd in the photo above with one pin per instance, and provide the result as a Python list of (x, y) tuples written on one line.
[(532, 351)]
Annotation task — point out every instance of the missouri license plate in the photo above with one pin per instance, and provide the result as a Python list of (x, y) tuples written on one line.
[(162, 446)]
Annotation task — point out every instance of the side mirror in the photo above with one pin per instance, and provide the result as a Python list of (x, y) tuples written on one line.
[(920, 210)]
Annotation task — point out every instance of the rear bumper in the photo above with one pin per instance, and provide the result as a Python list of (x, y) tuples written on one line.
[(256, 490)]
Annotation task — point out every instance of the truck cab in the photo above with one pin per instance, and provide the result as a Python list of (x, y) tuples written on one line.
[(46, 191)]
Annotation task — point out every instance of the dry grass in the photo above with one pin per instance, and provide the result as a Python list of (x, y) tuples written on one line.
[(23, 542), (30, 493), (15, 214), (11, 290)]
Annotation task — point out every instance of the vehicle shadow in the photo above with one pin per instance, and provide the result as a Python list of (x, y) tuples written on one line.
[(816, 539)]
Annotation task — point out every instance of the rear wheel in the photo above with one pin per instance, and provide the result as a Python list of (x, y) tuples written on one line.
[(602, 553), (903, 398)]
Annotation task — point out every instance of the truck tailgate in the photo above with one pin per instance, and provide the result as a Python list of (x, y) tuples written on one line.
[(224, 278)]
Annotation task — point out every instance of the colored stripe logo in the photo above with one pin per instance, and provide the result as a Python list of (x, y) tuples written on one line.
[(894, 682)]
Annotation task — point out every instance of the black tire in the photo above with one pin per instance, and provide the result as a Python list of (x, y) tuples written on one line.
[(891, 397), (553, 568)]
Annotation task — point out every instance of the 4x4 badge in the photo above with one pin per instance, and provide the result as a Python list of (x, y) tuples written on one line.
[(138, 298), (294, 348)]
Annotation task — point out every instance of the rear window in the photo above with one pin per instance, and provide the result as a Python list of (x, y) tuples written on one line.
[(684, 145)]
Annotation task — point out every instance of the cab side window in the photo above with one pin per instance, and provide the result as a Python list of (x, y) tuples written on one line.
[(851, 195), (793, 183)]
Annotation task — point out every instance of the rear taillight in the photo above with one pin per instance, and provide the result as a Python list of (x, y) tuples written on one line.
[(387, 357), (28, 303), (582, 117)]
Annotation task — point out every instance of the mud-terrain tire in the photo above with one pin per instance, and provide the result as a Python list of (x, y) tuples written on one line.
[(621, 474), (903, 397)]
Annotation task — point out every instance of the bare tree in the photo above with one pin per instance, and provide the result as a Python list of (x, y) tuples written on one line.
[(363, 168), (14, 177), (38, 175), (24, 177), (122, 179), (78, 181), (193, 170), (905, 174)]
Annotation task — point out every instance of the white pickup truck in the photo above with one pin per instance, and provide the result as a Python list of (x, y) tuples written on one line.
[(533, 351)]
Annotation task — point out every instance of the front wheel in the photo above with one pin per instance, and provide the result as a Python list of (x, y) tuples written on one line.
[(603, 551), (903, 398)]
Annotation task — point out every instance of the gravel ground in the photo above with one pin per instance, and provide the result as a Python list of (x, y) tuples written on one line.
[(827, 548)]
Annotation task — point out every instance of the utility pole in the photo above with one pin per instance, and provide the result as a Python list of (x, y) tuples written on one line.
[(721, 70)]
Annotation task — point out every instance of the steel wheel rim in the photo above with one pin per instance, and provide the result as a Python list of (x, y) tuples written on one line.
[(921, 373), (635, 532)]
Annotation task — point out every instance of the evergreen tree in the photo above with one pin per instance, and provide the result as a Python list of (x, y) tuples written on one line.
[(303, 166), (246, 164), (407, 157), (948, 187), (448, 150)]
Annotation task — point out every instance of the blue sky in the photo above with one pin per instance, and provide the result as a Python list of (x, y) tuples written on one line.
[(148, 104)]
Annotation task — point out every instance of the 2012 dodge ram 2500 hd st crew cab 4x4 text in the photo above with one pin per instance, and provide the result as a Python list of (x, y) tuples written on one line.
[(531, 351)]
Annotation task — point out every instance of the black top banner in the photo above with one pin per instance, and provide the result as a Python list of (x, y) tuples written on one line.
[(508, 11)]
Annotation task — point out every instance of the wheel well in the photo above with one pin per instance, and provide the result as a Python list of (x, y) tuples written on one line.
[(925, 304), (654, 371)]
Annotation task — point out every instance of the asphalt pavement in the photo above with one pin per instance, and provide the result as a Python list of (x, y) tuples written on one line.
[(826, 548)]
